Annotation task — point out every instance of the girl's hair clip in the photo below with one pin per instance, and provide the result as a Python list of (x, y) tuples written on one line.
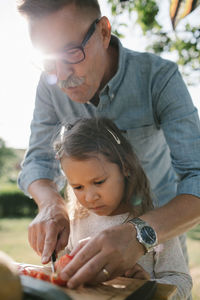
[(57, 157), (58, 150), (114, 136), (64, 128)]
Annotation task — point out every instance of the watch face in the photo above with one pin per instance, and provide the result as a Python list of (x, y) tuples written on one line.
[(148, 235)]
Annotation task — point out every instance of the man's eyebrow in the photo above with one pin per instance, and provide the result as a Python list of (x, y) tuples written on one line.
[(69, 45)]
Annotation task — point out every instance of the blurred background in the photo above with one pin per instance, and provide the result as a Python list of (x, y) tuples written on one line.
[(170, 29)]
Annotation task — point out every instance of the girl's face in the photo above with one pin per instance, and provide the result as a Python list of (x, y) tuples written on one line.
[(97, 183)]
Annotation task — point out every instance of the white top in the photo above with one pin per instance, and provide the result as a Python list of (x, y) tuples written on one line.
[(165, 264)]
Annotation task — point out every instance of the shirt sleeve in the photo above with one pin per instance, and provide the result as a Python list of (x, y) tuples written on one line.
[(177, 116), (39, 162), (170, 268)]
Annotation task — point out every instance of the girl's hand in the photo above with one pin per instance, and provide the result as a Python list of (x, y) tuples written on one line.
[(137, 272)]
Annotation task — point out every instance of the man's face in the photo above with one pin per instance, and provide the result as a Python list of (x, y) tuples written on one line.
[(65, 29)]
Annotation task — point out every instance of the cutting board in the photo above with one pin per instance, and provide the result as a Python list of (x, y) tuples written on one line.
[(119, 288)]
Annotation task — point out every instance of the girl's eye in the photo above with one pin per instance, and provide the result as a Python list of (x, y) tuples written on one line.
[(100, 182), (77, 187)]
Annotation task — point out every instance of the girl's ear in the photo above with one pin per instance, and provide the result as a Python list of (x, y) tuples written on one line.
[(127, 172)]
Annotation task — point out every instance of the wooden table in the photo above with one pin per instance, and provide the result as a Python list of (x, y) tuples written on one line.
[(118, 289)]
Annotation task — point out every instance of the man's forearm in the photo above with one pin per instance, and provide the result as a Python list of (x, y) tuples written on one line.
[(44, 192), (174, 218)]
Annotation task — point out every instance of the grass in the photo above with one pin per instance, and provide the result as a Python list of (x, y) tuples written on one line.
[(14, 242), (193, 242)]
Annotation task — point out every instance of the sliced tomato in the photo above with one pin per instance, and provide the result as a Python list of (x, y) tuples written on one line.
[(62, 262), (43, 276), (23, 272), (35, 274), (55, 279)]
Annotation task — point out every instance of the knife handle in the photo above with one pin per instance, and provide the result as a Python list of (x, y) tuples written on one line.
[(53, 256)]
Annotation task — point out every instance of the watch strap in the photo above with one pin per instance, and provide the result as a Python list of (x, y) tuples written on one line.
[(139, 224)]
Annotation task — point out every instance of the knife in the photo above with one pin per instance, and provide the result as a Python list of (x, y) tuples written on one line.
[(145, 292), (53, 259)]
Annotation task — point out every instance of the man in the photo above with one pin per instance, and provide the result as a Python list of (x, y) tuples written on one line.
[(145, 96)]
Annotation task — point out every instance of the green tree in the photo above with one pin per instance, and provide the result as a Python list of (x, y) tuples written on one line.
[(184, 41), (5, 155)]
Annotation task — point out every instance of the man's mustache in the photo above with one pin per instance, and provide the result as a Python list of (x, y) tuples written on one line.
[(72, 81)]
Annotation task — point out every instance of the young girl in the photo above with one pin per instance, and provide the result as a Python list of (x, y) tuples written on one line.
[(106, 187)]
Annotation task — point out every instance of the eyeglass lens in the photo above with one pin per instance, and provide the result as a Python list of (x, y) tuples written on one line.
[(73, 55)]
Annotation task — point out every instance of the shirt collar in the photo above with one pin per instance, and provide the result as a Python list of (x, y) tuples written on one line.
[(115, 81)]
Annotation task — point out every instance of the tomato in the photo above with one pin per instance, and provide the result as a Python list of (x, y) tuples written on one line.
[(23, 272), (43, 276), (62, 262), (33, 273), (55, 279)]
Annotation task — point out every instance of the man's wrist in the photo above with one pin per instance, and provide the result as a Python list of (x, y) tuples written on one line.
[(140, 247), (145, 234), (45, 193)]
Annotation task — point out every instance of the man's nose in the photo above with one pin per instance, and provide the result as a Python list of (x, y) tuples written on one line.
[(63, 71)]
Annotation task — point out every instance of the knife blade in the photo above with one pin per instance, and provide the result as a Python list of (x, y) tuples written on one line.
[(145, 292), (53, 259)]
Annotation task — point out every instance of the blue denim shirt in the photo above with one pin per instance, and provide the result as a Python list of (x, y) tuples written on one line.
[(149, 101)]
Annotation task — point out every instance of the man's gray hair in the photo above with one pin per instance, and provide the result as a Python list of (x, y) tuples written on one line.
[(41, 8)]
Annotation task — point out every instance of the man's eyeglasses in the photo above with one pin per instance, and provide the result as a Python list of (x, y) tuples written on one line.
[(72, 55)]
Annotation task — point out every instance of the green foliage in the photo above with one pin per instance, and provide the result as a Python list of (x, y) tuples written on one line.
[(194, 233), (13, 203), (117, 10), (5, 155), (11, 167), (185, 43), (147, 11)]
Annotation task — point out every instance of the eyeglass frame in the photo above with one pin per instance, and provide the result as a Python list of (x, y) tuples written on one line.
[(88, 35)]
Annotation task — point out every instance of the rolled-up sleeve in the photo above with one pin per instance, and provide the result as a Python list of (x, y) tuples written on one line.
[(39, 162), (179, 120)]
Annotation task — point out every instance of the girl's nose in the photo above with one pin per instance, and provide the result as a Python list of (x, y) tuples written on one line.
[(91, 195)]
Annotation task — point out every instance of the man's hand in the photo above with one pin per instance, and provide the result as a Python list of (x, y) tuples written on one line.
[(137, 272), (115, 249), (48, 231), (50, 228)]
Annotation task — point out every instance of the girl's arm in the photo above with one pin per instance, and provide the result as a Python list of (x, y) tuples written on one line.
[(169, 267)]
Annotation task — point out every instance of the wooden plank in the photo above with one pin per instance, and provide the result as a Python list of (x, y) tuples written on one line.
[(118, 288)]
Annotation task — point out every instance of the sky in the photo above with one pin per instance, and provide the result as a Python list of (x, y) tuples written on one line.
[(19, 77)]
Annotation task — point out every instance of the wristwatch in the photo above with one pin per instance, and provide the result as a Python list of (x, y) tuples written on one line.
[(146, 235)]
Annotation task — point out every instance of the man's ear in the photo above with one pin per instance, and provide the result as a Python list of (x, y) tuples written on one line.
[(105, 29)]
